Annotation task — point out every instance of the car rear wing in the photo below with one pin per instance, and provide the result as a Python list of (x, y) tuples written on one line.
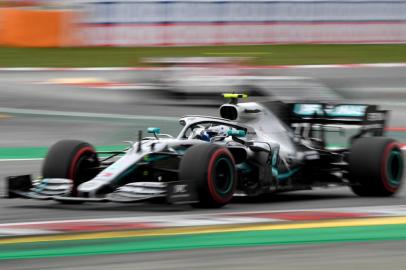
[(369, 118), (320, 113)]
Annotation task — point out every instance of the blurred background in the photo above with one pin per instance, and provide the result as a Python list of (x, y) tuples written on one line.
[(195, 22), (99, 71), (153, 58)]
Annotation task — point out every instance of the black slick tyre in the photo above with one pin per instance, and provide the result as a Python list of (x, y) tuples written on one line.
[(375, 166), (212, 169), (70, 159)]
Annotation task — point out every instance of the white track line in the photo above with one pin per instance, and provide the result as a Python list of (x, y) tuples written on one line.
[(24, 232), (371, 65), (20, 159), (382, 210), (85, 114), (39, 159), (29, 69)]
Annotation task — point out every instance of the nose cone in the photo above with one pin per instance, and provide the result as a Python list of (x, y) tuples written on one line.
[(90, 186)]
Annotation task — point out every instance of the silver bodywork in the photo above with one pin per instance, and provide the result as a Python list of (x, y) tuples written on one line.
[(264, 130), (272, 147), (285, 151)]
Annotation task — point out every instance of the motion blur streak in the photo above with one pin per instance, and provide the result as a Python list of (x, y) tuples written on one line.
[(100, 71), (384, 229), (203, 230)]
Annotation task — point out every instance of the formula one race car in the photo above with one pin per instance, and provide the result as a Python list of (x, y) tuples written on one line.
[(252, 149)]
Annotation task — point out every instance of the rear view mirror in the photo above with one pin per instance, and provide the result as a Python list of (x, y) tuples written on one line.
[(154, 130), (236, 133)]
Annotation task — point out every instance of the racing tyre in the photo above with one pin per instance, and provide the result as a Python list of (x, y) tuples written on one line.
[(70, 159), (212, 168), (375, 166)]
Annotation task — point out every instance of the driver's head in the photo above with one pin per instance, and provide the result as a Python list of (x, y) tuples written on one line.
[(220, 130), (210, 132)]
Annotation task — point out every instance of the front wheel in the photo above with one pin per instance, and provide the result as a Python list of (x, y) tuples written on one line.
[(212, 169), (71, 159), (375, 166)]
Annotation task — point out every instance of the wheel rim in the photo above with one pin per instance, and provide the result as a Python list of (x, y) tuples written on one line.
[(395, 167), (79, 162), (223, 175), (81, 165)]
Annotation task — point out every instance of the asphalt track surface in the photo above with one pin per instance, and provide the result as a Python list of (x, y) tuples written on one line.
[(28, 129)]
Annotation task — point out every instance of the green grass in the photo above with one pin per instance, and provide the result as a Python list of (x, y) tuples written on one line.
[(262, 54)]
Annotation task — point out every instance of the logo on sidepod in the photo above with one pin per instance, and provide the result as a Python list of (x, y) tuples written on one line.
[(375, 116), (179, 188)]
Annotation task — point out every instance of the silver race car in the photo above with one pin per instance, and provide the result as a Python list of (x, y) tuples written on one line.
[(251, 149)]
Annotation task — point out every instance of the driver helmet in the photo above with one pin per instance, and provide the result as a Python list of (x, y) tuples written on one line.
[(210, 132)]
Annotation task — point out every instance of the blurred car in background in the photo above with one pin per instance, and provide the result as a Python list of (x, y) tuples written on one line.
[(201, 80)]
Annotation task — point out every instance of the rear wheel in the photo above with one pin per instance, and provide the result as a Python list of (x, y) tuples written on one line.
[(375, 166), (212, 168), (71, 159)]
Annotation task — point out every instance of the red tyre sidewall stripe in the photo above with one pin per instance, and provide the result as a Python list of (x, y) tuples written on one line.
[(73, 165), (216, 197), (384, 167)]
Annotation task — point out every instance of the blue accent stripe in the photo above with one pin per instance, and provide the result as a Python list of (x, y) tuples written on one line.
[(287, 174), (42, 185)]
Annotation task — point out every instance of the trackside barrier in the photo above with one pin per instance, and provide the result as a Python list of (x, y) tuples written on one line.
[(240, 33), (206, 22), (37, 28)]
